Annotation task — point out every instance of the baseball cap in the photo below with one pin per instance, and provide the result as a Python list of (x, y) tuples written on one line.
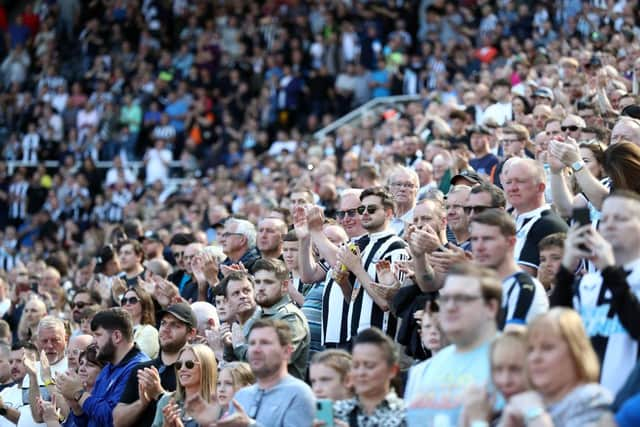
[(468, 175), (544, 92), (183, 312), (479, 129), (151, 235)]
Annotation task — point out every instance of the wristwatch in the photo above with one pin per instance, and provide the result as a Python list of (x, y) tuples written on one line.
[(49, 382), (78, 395), (577, 166)]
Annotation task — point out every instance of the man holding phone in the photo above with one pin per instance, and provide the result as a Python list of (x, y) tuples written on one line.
[(607, 300)]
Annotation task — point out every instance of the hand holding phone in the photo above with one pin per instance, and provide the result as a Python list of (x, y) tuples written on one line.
[(324, 412)]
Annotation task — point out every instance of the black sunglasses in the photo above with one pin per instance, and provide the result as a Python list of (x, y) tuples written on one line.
[(371, 209), (348, 212), (476, 209), (80, 305), (132, 300), (189, 364), (571, 128)]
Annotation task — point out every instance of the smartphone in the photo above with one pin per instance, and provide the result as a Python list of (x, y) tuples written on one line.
[(581, 216), (324, 411)]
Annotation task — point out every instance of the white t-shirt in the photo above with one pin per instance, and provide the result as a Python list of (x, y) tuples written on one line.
[(157, 167)]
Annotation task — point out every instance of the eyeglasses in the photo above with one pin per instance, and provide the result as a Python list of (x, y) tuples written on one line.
[(188, 364), (403, 185), (255, 408), (227, 234), (571, 128), (370, 209), (476, 209), (348, 212), (79, 305), (131, 301), (457, 299)]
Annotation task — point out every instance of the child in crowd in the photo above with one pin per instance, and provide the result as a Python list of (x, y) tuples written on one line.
[(508, 374), (329, 375), (233, 377)]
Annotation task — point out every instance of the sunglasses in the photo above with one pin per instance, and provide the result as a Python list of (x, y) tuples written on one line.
[(79, 305), (571, 128), (188, 364), (371, 209), (132, 300), (348, 212), (475, 209)]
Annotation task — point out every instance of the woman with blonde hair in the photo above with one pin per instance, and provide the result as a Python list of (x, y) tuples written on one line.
[(563, 370), (197, 373)]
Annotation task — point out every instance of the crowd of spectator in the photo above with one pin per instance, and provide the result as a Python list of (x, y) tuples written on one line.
[(467, 257)]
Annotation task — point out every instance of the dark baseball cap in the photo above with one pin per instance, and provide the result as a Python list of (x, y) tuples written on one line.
[(183, 312), (468, 175), (151, 235), (480, 129)]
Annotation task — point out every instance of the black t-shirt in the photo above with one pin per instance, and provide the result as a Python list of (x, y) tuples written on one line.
[(130, 393)]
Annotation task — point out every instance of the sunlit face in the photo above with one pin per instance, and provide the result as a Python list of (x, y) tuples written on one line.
[(351, 220), (461, 320), (132, 304), (404, 188), (550, 261), (620, 223), (327, 383), (265, 353), (173, 334), (373, 222), (269, 234), (550, 363), (269, 290), (128, 258), (290, 255), (222, 308), (88, 372), (53, 342), (425, 214), (190, 372), (591, 163), (456, 218), (225, 388), (370, 371), (508, 368), (521, 187), (489, 246), (430, 333), (16, 363), (240, 297)]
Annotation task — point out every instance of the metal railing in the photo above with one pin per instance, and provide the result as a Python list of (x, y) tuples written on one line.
[(135, 166), (371, 105)]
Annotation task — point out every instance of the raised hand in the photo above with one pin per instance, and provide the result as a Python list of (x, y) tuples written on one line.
[(300, 224)]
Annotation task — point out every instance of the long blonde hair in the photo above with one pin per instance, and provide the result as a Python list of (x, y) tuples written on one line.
[(208, 371)]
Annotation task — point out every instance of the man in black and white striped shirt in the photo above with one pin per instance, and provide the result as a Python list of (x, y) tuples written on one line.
[(371, 293), (493, 239), (18, 199)]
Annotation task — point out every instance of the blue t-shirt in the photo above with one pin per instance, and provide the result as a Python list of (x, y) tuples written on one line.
[(485, 165), (629, 413), (436, 387), (380, 76)]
